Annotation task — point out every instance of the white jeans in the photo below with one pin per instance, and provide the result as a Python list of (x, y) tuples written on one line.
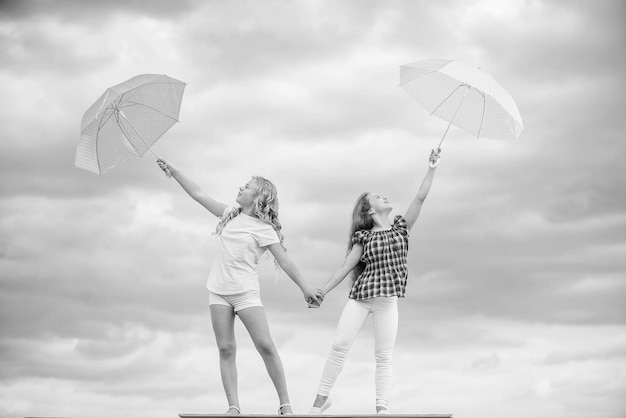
[(384, 311)]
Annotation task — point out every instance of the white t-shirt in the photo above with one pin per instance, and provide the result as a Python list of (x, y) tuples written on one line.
[(242, 242)]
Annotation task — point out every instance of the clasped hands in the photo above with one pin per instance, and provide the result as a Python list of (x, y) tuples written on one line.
[(319, 294)]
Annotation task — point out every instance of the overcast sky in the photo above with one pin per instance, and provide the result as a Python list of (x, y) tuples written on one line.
[(515, 303)]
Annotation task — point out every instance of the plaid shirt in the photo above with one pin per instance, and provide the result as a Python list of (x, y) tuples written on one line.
[(385, 258)]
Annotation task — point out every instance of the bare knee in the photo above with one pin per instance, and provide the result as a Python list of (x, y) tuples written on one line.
[(227, 349), (266, 348)]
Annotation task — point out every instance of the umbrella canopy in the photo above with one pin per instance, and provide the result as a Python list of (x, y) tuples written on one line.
[(127, 120), (464, 96)]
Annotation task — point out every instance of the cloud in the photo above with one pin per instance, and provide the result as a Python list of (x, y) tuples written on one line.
[(516, 265), (78, 10)]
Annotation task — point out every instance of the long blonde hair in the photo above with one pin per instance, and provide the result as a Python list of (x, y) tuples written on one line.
[(265, 207), (361, 220)]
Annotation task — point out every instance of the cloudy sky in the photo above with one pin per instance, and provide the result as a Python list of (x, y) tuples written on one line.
[(515, 302)]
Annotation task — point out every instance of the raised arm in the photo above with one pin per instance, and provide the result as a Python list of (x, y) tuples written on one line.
[(289, 267), (349, 263), (193, 190), (415, 207)]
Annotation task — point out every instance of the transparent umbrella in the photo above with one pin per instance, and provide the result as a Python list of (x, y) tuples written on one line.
[(127, 120), (464, 96)]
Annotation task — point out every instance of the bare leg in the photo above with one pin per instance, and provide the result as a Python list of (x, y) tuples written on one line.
[(223, 321), (255, 322)]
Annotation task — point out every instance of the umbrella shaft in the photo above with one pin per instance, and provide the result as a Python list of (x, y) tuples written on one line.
[(135, 130), (454, 116)]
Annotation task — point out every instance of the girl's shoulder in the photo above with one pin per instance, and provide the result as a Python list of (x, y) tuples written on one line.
[(359, 236), (400, 225), (399, 220), (231, 211)]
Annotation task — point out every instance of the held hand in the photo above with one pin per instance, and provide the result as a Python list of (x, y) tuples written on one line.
[(320, 297), (163, 166), (312, 298), (433, 160)]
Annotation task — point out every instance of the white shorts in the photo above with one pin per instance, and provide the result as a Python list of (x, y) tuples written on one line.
[(237, 301)]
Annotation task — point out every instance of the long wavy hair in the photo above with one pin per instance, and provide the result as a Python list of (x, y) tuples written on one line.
[(361, 220), (265, 207)]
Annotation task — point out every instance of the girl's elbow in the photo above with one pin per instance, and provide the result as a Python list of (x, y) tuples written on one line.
[(281, 258), (421, 197), (196, 195)]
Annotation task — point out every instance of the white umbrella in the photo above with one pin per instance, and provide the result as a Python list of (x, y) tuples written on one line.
[(464, 96), (127, 120)]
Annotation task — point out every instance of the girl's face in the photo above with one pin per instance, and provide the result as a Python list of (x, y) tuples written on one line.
[(246, 194), (379, 204)]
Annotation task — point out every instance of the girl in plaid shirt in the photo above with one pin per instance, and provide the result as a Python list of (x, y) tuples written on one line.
[(377, 259)]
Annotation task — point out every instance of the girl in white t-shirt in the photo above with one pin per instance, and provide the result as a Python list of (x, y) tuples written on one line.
[(244, 234)]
